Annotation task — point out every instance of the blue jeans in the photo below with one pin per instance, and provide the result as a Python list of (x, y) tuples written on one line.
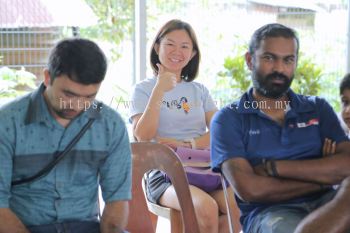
[(67, 227), (284, 218)]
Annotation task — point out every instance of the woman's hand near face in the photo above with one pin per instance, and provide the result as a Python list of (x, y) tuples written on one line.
[(166, 80)]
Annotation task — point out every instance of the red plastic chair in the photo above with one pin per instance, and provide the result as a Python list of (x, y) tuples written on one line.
[(147, 156)]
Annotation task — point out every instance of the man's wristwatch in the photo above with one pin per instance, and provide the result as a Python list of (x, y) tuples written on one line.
[(192, 142)]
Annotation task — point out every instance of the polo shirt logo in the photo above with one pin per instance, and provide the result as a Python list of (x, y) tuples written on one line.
[(254, 132), (314, 121)]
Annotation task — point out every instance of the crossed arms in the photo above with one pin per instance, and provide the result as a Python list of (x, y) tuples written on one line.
[(296, 178)]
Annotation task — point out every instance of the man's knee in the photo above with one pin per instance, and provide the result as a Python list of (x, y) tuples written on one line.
[(283, 224), (208, 211), (279, 221)]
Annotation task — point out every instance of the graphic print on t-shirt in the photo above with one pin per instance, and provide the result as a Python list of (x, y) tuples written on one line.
[(179, 104)]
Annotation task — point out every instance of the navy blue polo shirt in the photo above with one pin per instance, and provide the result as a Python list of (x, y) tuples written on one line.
[(30, 136), (242, 130)]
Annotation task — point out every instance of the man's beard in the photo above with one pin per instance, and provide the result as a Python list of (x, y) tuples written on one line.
[(265, 85)]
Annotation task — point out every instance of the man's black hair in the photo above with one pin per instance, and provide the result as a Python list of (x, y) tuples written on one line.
[(344, 84), (271, 30), (80, 59)]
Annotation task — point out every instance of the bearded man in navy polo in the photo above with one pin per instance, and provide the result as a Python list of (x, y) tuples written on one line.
[(269, 143)]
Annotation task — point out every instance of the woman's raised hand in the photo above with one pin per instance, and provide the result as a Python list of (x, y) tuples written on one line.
[(166, 80)]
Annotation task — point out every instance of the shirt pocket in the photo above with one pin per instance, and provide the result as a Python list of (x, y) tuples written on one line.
[(83, 166)]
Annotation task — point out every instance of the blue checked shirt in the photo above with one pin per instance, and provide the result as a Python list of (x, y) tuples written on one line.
[(29, 139)]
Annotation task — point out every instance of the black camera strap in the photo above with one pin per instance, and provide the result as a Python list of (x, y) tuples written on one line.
[(59, 155)]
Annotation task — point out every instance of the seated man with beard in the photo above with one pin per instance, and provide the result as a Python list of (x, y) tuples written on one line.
[(269, 143)]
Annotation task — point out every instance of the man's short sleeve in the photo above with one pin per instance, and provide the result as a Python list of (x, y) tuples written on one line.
[(226, 135), (329, 123), (6, 157), (115, 173)]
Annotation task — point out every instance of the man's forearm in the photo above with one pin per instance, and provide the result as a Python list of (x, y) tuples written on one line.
[(331, 217), (268, 189), (255, 186), (9, 222), (329, 170), (109, 228), (325, 170), (114, 217)]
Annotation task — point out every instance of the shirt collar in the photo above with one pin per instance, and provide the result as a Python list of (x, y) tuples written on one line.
[(38, 112), (298, 103), (301, 103)]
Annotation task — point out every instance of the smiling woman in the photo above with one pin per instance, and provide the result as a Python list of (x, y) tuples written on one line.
[(172, 109)]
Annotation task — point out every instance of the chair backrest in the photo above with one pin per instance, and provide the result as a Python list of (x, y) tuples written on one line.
[(147, 156), (231, 206)]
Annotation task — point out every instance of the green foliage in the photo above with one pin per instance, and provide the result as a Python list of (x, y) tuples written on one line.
[(15, 82), (236, 67), (115, 22), (235, 78), (165, 6), (330, 88), (307, 79)]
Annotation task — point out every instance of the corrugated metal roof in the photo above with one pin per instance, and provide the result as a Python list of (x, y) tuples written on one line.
[(303, 4), (45, 13)]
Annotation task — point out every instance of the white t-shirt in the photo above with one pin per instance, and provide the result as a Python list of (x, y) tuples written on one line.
[(182, 113)]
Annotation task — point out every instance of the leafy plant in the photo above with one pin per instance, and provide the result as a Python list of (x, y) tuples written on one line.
[(307, 79), (15, 82), (235, 78), (115, 22)]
